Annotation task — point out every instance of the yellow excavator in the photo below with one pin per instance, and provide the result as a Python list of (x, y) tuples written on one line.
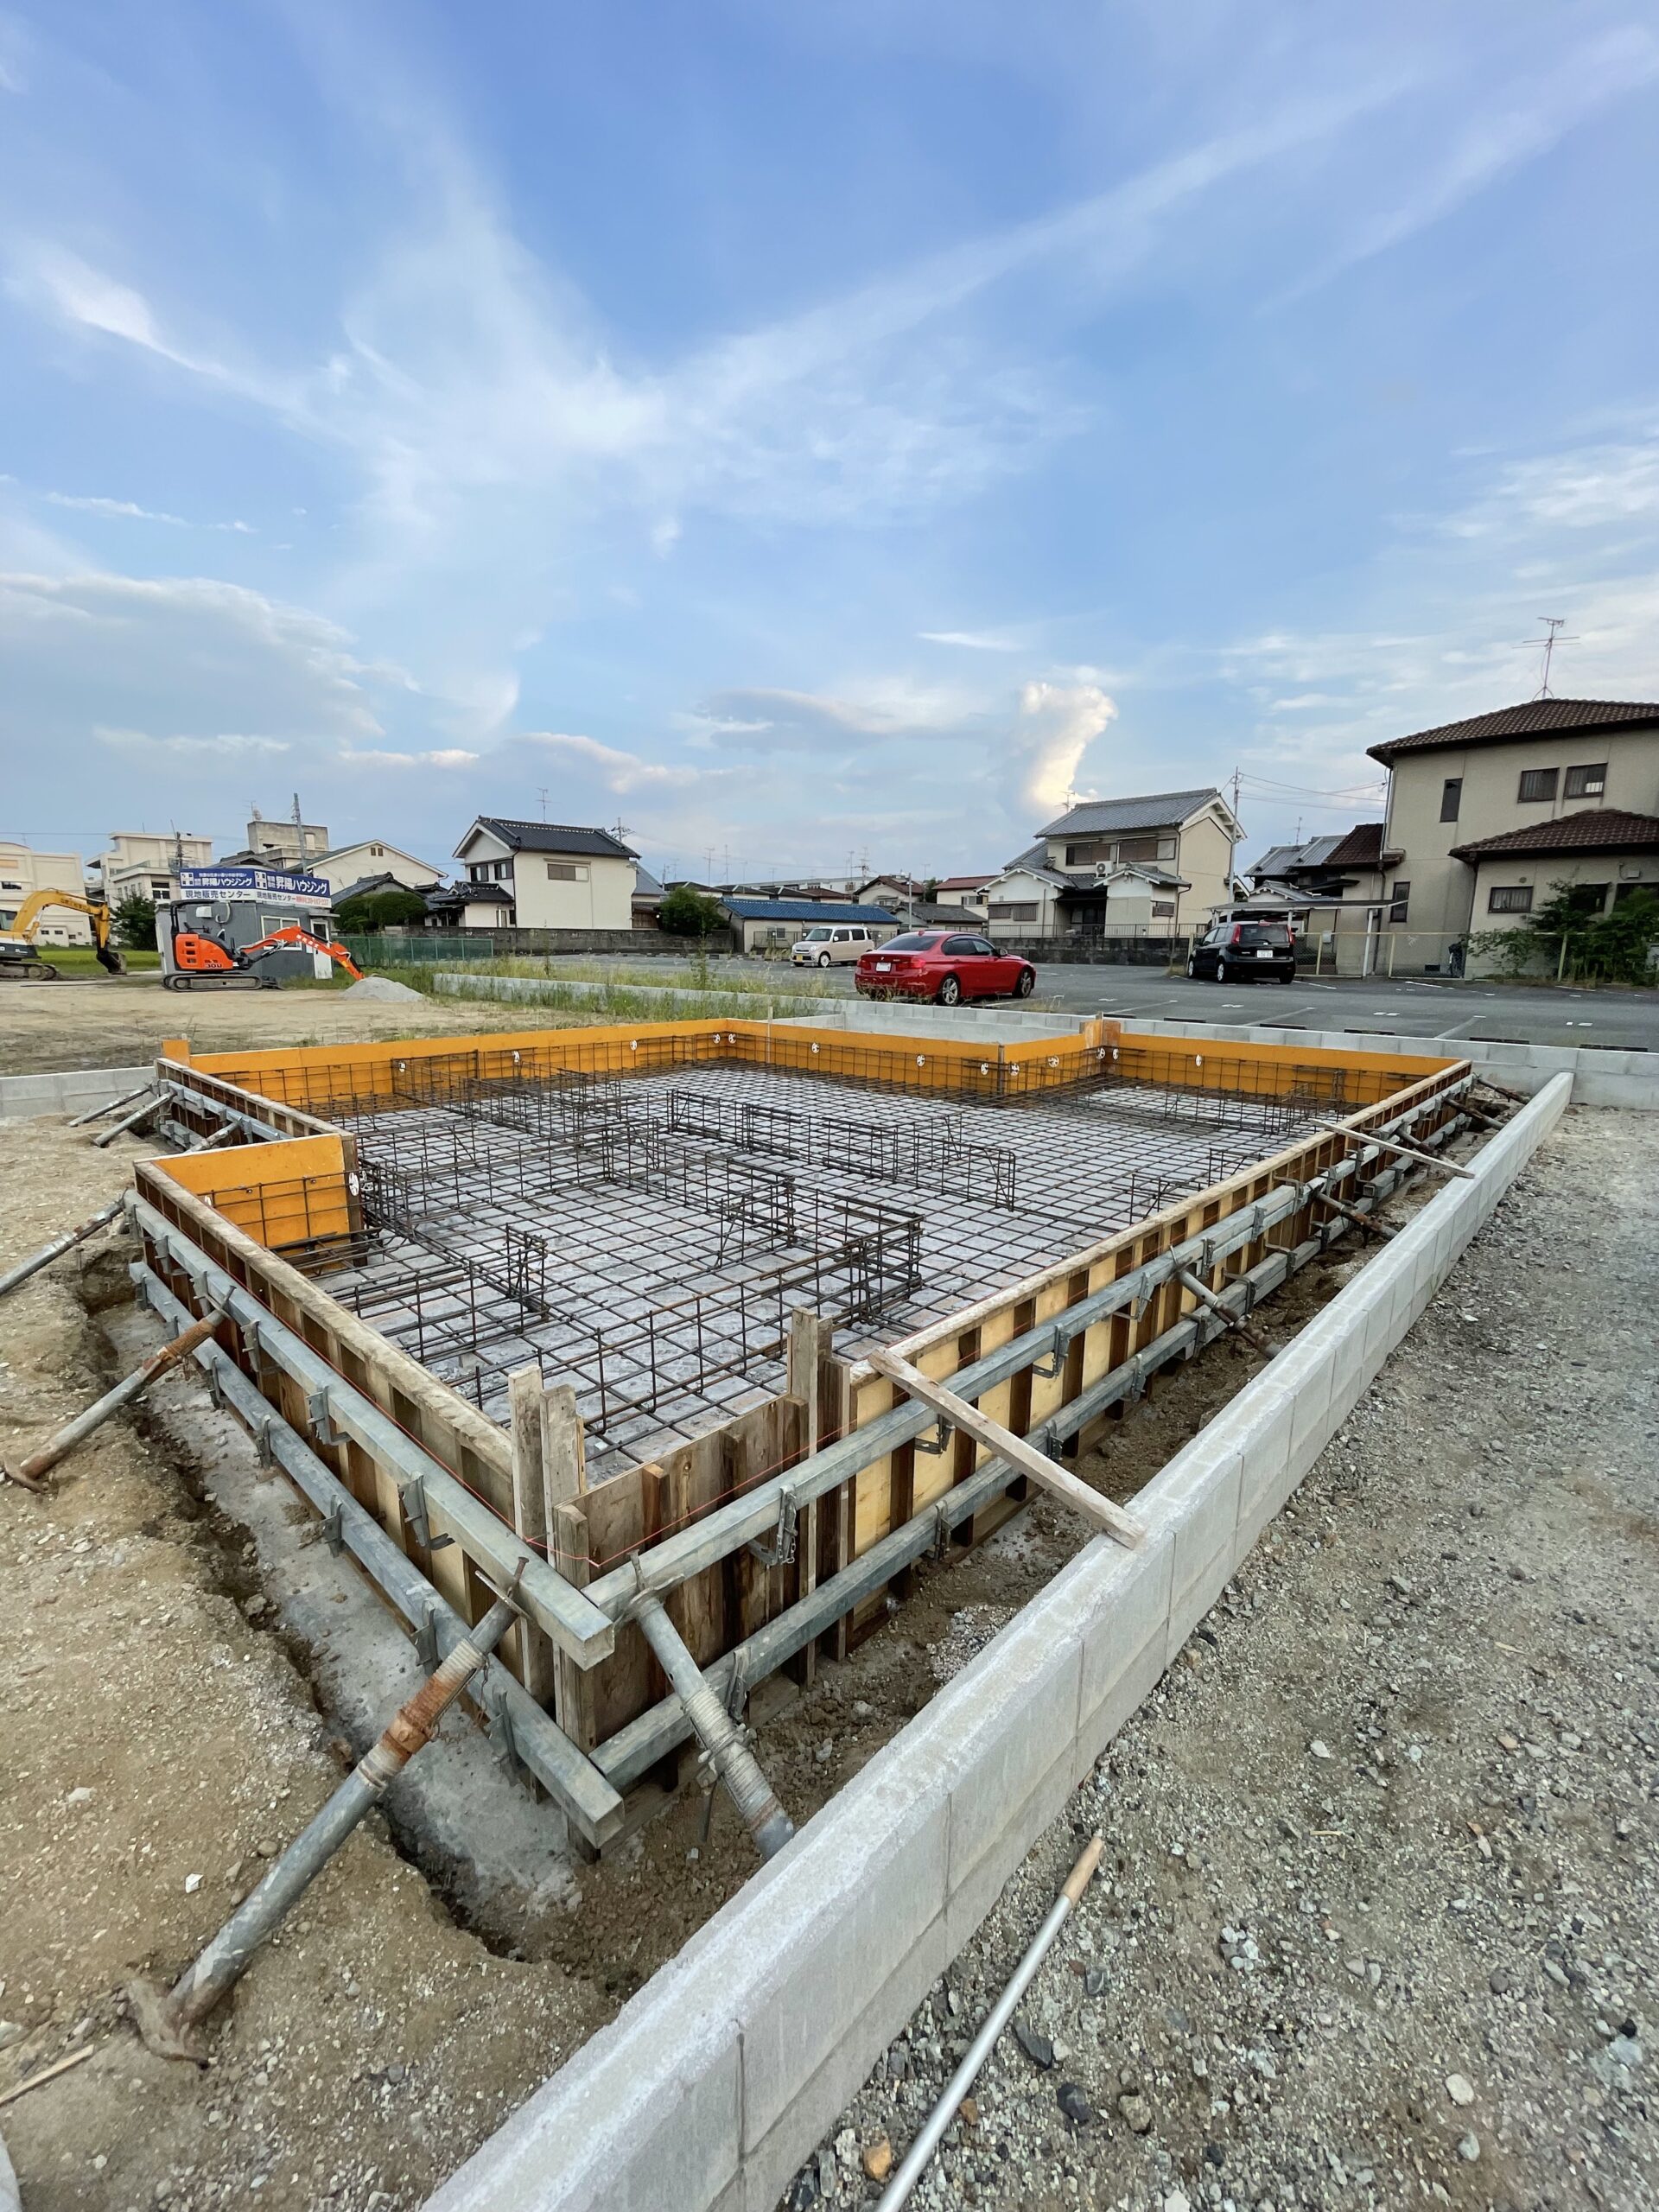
[(20, 957)]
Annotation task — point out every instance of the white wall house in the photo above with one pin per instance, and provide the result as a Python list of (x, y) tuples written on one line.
[(1153, 864), (145, 863), (23, 871), (347, 864), (544, 875)]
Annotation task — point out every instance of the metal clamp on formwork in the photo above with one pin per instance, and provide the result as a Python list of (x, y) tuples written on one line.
[(333, 1528), (411, 1495), (933, 1446), (320, 1414), (713, 1727), (1049, 1366), (778, 1549)]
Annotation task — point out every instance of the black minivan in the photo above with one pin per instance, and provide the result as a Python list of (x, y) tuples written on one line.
[(1233, 951)]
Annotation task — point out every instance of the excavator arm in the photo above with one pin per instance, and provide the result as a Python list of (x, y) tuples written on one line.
[(298, 940), (26, 927)]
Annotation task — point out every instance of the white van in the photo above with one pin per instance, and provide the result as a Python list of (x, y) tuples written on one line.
[(832, 944)]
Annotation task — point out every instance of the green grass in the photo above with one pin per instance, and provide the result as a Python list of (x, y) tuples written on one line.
[(81, 960), (616, 1000)]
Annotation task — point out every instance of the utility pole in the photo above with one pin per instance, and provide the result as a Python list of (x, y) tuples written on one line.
[(1232, 841)]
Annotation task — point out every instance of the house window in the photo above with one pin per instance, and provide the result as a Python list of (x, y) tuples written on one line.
[(566, 872), (504, 871), (1509, 898), (1162, 908), (1166, 849), (1451, 796), (1399, 901), (1138, 848), (1085, 854), (1014, 910), (1537, 784), (479, 871), (376, 851), (1628, 890), (1591, 898), (1588, 782)]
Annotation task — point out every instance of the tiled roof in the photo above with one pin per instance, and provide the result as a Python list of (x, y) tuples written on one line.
[(1361, 848), (964, 882), (471, 895), (1537, 718), (645, 885), (803, 910), (1156, 810), (1598, 829), (552, 838)]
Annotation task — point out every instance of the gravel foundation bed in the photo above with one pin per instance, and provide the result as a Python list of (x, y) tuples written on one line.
[(1376, 1925)]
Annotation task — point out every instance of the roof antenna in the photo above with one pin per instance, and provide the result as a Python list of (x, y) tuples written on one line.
[(543, 788), (1553, 624)]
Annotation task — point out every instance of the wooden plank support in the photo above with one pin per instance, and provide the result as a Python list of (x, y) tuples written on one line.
[(1110, 1519), (534, 1646), (576, 1695)]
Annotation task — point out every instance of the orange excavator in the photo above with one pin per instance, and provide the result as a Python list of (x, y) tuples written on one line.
[(200, 959)]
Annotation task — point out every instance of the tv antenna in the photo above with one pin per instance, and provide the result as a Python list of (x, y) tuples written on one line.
[(542, 789), (1553, 624)]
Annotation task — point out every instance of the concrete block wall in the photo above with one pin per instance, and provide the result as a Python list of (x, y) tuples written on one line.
[(713, 2084), (75, 1091)]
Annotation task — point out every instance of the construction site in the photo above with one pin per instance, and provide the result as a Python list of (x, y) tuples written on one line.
[(656, 1399)]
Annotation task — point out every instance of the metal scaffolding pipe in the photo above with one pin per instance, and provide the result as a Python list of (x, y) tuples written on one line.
[(167, 2019), (130, 1387), (111, 1105), (719, 1735), (141, 1113), (90, 1227)]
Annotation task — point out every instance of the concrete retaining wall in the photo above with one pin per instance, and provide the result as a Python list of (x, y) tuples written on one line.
[(711, 2086), (75, 1091), (668, 1003)]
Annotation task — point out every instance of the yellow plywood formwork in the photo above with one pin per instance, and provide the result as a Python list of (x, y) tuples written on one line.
[(292, 1194)]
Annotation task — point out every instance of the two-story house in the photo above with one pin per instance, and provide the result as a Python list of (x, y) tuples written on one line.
[(542, 875), (1153, 865), (1485, 815)]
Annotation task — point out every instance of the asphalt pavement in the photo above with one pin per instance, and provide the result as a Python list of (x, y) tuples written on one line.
[(1517, 1014)]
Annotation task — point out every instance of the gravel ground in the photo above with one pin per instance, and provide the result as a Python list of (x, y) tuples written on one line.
[(1376, 1924)]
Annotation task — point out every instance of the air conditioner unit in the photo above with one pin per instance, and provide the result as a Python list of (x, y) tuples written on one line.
[(1102, 867)]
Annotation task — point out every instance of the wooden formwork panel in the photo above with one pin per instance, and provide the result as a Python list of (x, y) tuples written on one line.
[(232, 1205)]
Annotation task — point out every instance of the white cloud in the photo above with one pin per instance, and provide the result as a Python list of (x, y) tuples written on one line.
[(978, 641), (442, 757), (1579, 80), (90, 503), (1056, 724), (221, 748), (619, 772)]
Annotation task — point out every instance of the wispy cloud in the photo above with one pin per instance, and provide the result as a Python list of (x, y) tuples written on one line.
[(1500, 136), (221, 746), (126, 509), (977, 641), (617, 770)]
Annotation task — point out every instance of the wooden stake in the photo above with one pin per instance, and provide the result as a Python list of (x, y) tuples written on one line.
[(525, 1396), (1106, 1516), (45, 2074)]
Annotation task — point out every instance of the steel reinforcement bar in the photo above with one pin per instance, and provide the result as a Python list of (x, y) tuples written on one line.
[(625, 1757), (753, 1516)]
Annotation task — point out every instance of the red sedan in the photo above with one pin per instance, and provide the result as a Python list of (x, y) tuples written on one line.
[(945, 965)]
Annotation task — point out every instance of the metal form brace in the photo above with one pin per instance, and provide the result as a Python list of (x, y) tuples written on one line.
[(778, 1549)]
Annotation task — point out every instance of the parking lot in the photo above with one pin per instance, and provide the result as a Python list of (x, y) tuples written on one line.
[(1623, 1019)]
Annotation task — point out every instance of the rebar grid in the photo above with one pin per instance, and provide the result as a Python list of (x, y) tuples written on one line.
[(647, 1240)]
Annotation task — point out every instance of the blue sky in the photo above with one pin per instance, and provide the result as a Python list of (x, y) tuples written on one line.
[(802, 433)]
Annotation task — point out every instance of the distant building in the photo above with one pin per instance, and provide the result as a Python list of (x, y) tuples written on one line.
[(23, 871), (965, 891), (648, 896), (897, 894), (545, 875), (1153, 864), (768, 925), (292, 844), (145, 864), (345, 865)]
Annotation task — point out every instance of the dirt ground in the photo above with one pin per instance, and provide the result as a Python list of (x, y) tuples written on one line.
[(175, 1634), (1376, 1924), (118, 1022)]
